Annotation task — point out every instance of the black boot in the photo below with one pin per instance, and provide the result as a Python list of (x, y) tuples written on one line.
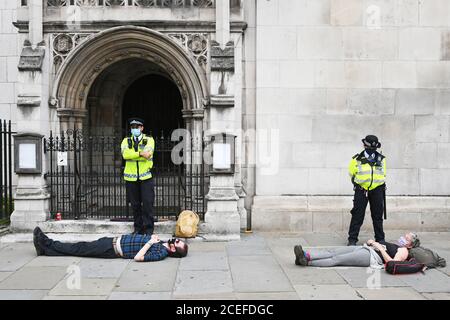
[(300, 258), (39, 250)]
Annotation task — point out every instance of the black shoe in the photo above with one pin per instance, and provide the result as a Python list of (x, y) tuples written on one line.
[(352, 243), (39, 250), (300, 258), (43, 240)]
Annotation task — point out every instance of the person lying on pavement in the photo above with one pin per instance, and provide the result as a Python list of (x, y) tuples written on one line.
[(141, 248), (371, 254)]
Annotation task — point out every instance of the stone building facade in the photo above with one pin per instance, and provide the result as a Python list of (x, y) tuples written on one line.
[(298, 82)]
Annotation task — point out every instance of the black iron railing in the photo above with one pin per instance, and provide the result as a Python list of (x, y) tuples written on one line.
[(85, 178), (6, 168)]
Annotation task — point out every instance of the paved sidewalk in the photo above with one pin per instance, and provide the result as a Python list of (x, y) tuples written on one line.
[(260, 266)]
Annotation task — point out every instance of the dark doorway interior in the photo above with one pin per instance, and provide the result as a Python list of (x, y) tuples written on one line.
[(157, 100)]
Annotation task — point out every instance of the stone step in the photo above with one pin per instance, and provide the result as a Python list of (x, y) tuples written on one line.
[(71, 237), (100, 227), (89, 230)]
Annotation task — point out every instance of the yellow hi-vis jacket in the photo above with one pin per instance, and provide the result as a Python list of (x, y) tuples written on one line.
[(366, 174), (137, 167)]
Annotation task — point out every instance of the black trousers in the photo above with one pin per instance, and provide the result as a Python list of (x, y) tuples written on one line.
[(376, 199), (142, 197), (101, 248)]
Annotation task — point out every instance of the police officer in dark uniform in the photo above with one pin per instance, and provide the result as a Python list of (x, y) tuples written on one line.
[(137, 151)]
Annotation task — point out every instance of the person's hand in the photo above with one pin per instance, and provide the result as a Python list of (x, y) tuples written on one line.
[(370, 242), (145, 154), (377, 246), (153, 239)]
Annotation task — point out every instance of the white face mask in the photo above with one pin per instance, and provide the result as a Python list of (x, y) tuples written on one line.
[(402, 241)]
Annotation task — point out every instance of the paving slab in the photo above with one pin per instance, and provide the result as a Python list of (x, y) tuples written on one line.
[(211, 296), (309, 275), (267, 296), (191, 283), (250, 245), (34, 278), (75, 298), (324, 239), (432, 281), (149, 276), (205, 261), (370, 278), (207, 246), (102, 268), (390, 294), (87, 287), (437, 296), (44, 261), (446, 255), (327, 292), (14, 257), (22, 294), (4, 275), (140, 295), (286, 240), (258, 274)]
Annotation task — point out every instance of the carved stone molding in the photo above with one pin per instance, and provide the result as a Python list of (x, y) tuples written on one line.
[(31, 59), (222, 59), (102, 50), (62, 44), (196, 44), (134, 3), (194, 113)]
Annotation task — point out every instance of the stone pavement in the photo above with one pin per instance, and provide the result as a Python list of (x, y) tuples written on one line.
[(260, 266)]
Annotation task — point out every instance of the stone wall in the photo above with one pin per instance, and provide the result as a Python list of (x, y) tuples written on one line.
[(9, 59), (330, 72)]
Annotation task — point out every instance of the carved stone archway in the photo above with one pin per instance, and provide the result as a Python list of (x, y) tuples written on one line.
[(82, 67)]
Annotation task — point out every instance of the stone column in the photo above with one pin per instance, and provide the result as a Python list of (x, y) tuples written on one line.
[(31, 200), (222, 217), (222, 21)]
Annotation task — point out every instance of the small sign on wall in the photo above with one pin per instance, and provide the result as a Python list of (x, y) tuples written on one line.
[(62, 159), (28, 153)]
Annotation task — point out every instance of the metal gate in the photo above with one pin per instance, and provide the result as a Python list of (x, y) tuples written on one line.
[(6, 167), (85, 178)]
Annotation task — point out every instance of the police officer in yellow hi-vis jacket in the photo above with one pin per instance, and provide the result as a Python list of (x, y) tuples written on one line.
[(137, 151), (368, 173)]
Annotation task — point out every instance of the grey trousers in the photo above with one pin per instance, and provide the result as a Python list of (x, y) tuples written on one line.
[(357, 256)]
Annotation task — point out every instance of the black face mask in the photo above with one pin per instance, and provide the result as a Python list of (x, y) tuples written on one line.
[(370, 152)]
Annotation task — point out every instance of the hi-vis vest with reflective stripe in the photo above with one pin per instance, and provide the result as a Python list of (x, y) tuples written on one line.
[(137, 167), (368, 176)]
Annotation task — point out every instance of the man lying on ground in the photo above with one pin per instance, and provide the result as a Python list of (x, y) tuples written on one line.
[(139, 247), (372, 254)]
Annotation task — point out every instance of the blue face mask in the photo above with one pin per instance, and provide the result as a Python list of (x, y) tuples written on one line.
[(136, 132), (402, 242)]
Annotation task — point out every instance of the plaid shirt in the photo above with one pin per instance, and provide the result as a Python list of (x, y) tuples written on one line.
[(132, 244)]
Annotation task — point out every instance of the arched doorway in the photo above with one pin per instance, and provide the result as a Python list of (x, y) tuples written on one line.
[(157, 100), (123, 72)]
